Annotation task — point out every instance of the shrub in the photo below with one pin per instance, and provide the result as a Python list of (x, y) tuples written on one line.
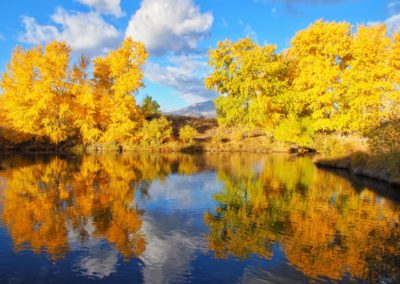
[(339, 145), (187, 133), (386, 138), (156, 131), (219, 135), (150, 107), (237, 135)]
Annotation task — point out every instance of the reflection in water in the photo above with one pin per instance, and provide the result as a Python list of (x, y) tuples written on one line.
[(325, 226), (45, 200)]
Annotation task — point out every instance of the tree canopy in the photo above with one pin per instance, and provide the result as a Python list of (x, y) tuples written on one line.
[(47, 100), (330, 79)]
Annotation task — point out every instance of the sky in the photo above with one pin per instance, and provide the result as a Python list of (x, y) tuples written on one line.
[(176, 33)]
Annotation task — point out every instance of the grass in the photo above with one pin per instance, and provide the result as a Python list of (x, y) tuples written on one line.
[(384, 167)]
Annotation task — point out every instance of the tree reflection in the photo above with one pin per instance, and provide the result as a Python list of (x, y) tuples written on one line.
[(47, 199), (325, 227)]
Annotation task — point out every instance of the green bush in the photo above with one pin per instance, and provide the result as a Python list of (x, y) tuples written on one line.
[(187, 134), (150, 107), (156, 132)]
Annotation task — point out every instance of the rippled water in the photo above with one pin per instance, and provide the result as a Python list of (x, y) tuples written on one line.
[(232, 218)]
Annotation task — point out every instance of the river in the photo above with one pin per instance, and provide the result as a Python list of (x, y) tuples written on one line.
[(175, 218)]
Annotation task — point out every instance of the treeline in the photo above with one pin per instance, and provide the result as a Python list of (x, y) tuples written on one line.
[(46, 100), (330, 80)]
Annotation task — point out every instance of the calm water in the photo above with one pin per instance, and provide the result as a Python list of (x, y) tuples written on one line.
[(193, 219)]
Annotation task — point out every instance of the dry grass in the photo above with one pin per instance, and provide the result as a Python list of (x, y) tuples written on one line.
[(384, 167)]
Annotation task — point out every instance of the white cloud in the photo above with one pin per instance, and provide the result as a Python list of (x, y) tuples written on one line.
[(100, 263), (185, 74), (393, 23), (169, 25), (112, 7), (87, 32), (169, 253), (35, 33)]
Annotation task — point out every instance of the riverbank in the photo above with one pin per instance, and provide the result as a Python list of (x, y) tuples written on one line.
[(341, 152), (209, 138), (383, 167)]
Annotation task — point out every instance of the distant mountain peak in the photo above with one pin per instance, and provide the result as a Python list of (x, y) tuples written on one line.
[(202, 109)]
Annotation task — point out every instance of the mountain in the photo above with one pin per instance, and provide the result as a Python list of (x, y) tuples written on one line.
[(203, 109)]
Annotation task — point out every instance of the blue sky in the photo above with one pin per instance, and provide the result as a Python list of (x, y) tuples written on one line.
[(177, 33)]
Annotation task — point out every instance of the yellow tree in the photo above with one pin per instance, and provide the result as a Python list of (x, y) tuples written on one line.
[(367, 83), (394, 99), (248, 77), (36, 93), (319, 55), (85, 105), (116, 78)]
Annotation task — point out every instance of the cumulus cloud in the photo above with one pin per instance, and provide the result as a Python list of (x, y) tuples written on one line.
[(87, 32), (112, 7), (183, 73), (169, 25)]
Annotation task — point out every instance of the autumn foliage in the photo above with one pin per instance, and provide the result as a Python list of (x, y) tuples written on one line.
[(329, 80), (323, 225), (45, 99), (332, 79)]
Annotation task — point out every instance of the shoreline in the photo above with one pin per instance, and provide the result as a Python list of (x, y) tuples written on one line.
[(362, 165), (359, 164)]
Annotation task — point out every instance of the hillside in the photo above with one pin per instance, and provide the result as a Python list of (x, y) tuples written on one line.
[(203, 109)]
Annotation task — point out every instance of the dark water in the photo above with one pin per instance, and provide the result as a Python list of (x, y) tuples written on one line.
[(193, 219)]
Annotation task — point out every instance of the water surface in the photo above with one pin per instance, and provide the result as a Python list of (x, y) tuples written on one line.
[(214, 218)]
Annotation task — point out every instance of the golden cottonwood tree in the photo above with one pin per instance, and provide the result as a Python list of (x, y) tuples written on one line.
[(329, 80), (46, 100), (320, 54), (249, 78), (36, 95), (366, 80), (86, 106), (116, 78)]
